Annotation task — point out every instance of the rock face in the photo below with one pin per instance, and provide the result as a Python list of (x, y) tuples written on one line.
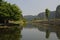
[(58, 12), (53, 14), (42, 15)]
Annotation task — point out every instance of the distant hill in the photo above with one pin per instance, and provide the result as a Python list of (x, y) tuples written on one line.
[(42, 15), (53, 14), (29, 17), (58, 12)]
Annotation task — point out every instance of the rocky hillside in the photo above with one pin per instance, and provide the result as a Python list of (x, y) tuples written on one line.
[(42, 15)]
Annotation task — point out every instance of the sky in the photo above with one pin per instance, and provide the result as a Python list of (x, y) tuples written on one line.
[(34, 7)]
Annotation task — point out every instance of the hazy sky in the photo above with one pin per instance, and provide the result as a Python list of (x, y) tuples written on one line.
[(34, 7)]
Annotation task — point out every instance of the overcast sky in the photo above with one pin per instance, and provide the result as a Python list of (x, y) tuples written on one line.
[(34, 7)]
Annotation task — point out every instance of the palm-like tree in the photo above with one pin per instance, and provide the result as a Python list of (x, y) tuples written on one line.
[(47, 12)]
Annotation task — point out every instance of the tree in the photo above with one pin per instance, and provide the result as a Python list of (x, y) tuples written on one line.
[(9, 12), (1, 0), (47, 12), (16, 13)]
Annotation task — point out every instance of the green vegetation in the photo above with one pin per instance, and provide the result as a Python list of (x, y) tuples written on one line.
[(9, 12), (10, 33), (47, 13)]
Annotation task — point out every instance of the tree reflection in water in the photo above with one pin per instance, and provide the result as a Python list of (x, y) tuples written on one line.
[(10, 33), (47, 33), (48, 29), (58, 32), (55, 29)]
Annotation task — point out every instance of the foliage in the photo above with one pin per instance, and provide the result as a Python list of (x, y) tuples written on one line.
[(9, 11), (16, 13), (47, 12)]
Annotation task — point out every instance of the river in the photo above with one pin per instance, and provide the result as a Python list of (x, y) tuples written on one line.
[(31, 32), (40, 32)]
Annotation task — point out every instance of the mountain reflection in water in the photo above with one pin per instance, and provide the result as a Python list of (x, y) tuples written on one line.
[(48, 29), (30, 32)]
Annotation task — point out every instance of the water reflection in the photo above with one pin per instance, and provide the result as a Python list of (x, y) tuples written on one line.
[(48, 29), (47, 33), (10, 33)]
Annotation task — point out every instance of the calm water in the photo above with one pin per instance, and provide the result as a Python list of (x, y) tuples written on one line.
[(10, 33), (40, 32), (31, 32)]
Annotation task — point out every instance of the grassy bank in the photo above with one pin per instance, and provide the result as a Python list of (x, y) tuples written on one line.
[(52, 21)]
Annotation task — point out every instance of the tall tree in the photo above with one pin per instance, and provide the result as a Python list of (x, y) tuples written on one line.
[(1, 0), (47, 12)]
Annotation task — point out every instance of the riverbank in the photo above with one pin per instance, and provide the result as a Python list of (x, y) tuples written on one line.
[(12, 24), (52, 22)]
